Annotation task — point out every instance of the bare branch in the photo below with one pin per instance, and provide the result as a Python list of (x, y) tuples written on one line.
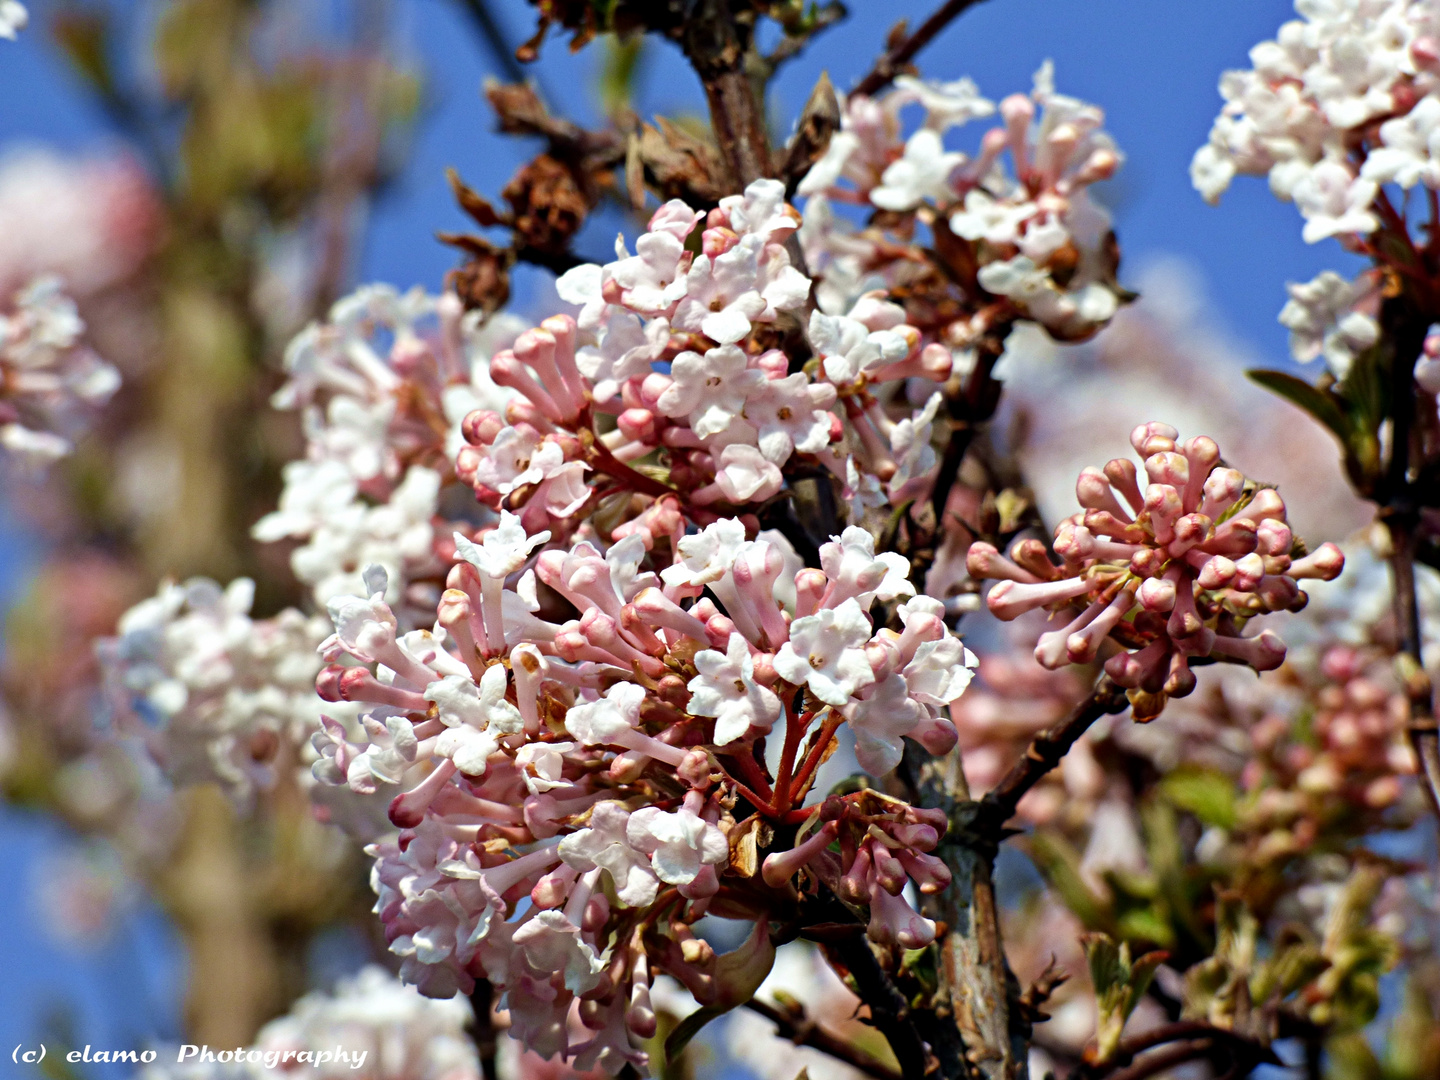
[(894, 61), (494, 37), (1405, 329), (1045, 752), (803, 1031)]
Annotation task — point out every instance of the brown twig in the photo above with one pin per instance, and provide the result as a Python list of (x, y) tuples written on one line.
[(716, 45), (1044, 753), (484, 1034), (894, 60), (889, 1011), (1242, 1047), (1158, 1062), (803, 1031), (1405, 329)]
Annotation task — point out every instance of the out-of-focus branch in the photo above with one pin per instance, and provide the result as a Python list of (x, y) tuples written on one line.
[(895, 59), (1165, 1059), (1044, 753), (803, 1031), (482, 1000), (1405, 329), (1183, 1032), (494, 38)]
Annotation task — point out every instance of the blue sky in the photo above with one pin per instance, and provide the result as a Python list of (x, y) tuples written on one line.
[(1152, 66)]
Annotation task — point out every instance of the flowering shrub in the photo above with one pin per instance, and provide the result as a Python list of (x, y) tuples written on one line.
[(618, 596)]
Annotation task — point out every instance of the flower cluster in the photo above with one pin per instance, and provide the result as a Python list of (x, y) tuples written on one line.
[(679, 375), (385, 1029), (212, 693), (1361, 74), (1343, 103), (1174, 577), (383, 386), (1040, 244), (593, 754), (50, 383)]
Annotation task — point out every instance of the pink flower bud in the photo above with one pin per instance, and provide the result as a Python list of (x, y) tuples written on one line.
[(1153, 438), (1011, 599), (1264, 652), (984, 562), (1323, 564), (1093, 491), (1123, 476)]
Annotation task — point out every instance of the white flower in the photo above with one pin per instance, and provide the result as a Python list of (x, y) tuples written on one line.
[(502, 550), (313, 492), (850, 562), (678, 843), (651, 281), (710, 390), (706, 556), (848, 348), (1411, 150), (826, 652), (922, 174), (13, 18), (996, 221), (862, 490), (940, 671), (761, 211), (949, 104), (745, 475), (790, 414), (723, 293), (597, 722), (580, 285), (725, 688), (880, 722), (542, 765), (910, 444), (1323, 321), (475, 716), (626, 349), (605, 844), (364, 626), (552, 943), (1333, 200)]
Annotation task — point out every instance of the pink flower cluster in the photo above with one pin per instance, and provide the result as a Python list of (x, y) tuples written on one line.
[(592, 753), (1171, 573), (1040, 243), (674, 368)]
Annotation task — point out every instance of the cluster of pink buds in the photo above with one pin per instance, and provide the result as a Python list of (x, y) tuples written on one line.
[(671, 381), (884, 847), (1170, 573), (566, 775), (50, 384)]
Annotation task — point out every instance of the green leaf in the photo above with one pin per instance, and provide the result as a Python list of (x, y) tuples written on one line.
[(688, 1028), (1207, 794), (1321, 405), (1059, 864)]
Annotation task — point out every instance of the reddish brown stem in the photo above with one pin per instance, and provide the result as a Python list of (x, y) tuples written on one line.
[(794, 732), (816, 753)]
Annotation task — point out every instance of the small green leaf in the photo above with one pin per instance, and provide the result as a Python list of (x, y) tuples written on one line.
[(1207, 794), (1321, 405), (688, 1028)]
